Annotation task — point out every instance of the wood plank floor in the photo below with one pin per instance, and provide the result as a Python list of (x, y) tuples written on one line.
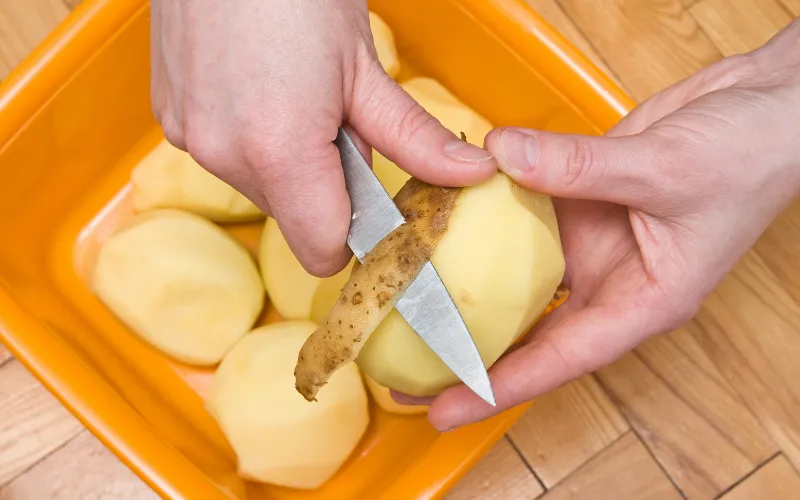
[(711, 410)]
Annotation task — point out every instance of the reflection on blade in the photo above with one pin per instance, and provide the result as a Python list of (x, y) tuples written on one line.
[(431, 312)]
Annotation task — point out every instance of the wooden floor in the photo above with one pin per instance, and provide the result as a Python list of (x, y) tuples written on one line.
[(709, 411)]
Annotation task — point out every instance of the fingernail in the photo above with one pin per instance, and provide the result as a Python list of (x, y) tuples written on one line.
[(520, 151), (465, 152)]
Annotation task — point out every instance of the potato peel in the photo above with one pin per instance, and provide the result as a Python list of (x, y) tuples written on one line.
[(375, 286)]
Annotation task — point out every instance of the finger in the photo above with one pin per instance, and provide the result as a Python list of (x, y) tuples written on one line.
[(304, 183), (580, 343), (402, 131), (613, 169)]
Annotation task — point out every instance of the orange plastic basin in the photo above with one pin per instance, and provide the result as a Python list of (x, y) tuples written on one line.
[(75, 118)]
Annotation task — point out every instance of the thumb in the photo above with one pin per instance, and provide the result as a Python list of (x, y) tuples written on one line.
[(613, 169), (404, 132)]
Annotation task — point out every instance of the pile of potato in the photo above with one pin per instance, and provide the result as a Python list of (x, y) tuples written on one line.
[(181, 282)]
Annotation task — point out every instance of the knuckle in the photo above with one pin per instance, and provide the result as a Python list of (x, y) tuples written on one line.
[(172, 129), (207, 148), (409, 124), (733, 70), (578, 162), (265, 147)]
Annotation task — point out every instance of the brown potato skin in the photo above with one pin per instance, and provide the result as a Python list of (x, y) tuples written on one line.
[(375, 286)]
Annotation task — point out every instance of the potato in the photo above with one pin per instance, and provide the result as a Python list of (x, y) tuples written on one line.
[(326, 294), (181, 283), (453, 114), (170, 178), (289, 286), (384, 400), (278, 437), (384, 45), (372, 289), (390, 175), (502, 262)]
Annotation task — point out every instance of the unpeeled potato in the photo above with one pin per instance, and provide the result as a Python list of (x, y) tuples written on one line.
[(180, 282), (384, 45), (278, 437), (289, 286), (170, 178)]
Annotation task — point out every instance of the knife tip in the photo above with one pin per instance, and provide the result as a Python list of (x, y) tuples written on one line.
[(483, 389)]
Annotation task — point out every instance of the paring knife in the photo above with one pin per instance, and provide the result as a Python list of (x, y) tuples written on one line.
[(426, 304)]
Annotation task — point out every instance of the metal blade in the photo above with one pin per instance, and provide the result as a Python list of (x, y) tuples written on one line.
[(426, 304)]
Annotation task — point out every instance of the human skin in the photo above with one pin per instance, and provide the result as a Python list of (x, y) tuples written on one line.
[(255, 91), (652, 216)]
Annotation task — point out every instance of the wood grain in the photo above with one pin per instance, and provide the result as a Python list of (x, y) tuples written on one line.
[(623, 470), (5, 355), (501, 475), (738, 26), (32, 422), (649, 44), (565, 428), (748, 327), (23, 25), (776, 480), (552, 12), (699, 457), (680, 362), (92, 472), (779, 245), (791, 6)]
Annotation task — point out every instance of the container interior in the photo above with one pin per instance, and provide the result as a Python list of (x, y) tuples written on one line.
[(63, 190)]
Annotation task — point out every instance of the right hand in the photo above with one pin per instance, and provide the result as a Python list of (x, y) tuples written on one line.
[(255, 91)]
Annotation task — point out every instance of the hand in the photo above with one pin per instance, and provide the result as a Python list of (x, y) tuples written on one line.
[(652, 216), (255, 91)]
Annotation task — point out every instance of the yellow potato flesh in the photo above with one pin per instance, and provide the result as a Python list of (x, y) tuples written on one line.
[(181, 283), (501, 260), (453, 114), (384, 45), (327, 293), (289, 286), (170, 178), (385, 402), (278, 436), (390, 175)]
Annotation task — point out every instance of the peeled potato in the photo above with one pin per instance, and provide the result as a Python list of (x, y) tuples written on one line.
[(278, 437), (289, 286), (453, 114), (384, 400), (501, 260), (390, 175), (326, 294), (170, 178), (384, 45), (180, 282)]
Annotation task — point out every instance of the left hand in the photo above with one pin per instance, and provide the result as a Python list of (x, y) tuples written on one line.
[(652, 216)]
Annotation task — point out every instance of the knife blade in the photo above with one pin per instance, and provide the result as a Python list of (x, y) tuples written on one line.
[(426, 304)]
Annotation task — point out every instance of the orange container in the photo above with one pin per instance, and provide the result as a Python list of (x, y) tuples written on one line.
[(75, 118)]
